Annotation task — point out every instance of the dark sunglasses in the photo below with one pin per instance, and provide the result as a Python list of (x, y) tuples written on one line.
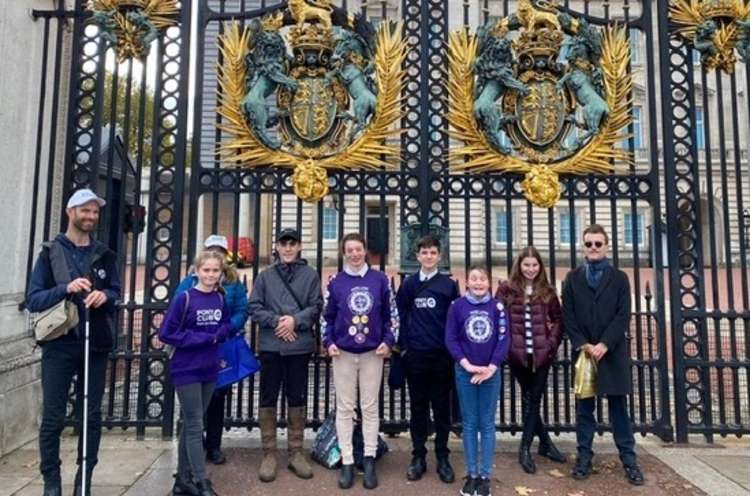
[(589, 244)]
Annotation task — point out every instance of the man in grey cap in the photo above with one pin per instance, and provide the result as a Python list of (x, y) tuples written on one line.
[(77, 267), (285, 302)]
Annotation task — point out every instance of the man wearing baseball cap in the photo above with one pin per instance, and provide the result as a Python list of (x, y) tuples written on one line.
[(285, 302), (91, 282)]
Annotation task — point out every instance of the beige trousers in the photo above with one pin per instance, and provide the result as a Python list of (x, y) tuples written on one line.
[(350, 370)]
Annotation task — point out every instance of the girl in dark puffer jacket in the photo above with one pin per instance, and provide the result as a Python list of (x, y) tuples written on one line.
[(536, 331)]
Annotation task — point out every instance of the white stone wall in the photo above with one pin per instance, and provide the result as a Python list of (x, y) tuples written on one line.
[(21, 46)]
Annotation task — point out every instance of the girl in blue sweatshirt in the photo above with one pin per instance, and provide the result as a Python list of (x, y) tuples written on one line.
[(476, 337), (196, 322)]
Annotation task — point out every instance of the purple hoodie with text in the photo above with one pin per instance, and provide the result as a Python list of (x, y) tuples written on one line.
[(195, 337), (360, 312), (477, 329)]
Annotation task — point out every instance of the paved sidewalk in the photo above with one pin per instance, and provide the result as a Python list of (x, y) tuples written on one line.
[(144, 468)]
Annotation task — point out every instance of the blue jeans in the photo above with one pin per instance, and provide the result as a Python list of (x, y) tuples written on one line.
[(478, 408)]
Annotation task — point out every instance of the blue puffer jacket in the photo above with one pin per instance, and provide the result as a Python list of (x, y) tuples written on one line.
[(235, 297)]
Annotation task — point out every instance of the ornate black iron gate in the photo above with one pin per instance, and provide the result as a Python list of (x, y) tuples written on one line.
[(128, 135)]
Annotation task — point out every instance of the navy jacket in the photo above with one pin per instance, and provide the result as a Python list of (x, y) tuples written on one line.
[(44, 292), (423, 308)]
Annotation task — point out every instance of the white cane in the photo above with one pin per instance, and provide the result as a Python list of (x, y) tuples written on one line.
[(85, 402)]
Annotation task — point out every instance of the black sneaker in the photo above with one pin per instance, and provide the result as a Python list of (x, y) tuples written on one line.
[(216, 456), (445, 471), (581, 470), (634, 475), (416, 469), (470, 486), (184, 487), (484, 486)]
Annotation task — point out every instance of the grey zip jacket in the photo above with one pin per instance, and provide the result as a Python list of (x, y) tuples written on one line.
[(270, 299)]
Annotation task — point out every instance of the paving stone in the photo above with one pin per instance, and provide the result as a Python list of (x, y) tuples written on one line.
[(736, 468)]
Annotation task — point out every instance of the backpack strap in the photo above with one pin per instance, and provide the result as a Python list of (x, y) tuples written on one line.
[(185, 309), (58, 262)]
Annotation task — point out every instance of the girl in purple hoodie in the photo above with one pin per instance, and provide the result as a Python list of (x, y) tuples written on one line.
[(196, 322), (476, 335)]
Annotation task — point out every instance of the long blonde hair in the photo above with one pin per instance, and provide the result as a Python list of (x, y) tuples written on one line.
[(207, 255)]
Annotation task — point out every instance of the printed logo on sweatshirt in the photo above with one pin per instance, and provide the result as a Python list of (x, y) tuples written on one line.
[(208, 316), (478, 327), (428, 302), (360, 300)]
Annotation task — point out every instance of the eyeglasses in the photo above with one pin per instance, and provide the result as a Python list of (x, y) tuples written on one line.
[(589, 244)]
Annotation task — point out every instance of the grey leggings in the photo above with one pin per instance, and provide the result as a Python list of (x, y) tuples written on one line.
[(194, 400)]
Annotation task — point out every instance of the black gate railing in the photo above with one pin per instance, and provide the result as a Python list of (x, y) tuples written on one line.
[(127, 133)]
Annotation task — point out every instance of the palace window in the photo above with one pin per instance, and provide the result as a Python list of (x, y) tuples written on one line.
[(330, 224)]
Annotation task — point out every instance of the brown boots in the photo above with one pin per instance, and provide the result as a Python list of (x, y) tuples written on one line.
[(267, 421), (296, 435)]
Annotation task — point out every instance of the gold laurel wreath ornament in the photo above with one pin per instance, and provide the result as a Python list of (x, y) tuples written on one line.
[(541, 183), (369, 151), (689, 15), (161, 13)]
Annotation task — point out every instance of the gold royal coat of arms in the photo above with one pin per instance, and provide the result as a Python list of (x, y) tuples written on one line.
[(337, 85), (547, 94)]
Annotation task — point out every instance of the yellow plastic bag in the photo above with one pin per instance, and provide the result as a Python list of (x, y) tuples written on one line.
[(585, 376)]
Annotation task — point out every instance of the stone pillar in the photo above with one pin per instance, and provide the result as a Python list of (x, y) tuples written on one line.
[(200, 221), (245, 221), (21, 47)]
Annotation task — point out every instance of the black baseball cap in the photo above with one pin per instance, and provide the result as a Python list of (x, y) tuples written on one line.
[(288, 234)]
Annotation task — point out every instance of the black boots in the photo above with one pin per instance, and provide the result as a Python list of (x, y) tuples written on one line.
[(445, 471), (370, 478), (416, 469), (548, 449), (525, 459), (205, 489), (346, 479), (184, 487)]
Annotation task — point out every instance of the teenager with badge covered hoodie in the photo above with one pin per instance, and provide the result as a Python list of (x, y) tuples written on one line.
[(359, 326)]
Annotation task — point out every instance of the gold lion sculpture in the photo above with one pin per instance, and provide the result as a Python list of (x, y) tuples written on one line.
[(532, 18), (303, 11)]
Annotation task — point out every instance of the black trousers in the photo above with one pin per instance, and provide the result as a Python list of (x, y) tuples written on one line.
[(287, 370), (622, 431), (430, 380), (214, 420), (61, 360), (533, 383)]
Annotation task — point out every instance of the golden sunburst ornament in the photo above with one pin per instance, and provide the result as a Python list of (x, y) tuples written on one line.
[(130, 26), (315, 93), (716, 28), (542, 162)]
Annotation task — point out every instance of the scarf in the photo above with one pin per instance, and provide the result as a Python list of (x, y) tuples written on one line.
[(594, 272)]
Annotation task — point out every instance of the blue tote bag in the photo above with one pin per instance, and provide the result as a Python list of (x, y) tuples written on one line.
[(237, 361)]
